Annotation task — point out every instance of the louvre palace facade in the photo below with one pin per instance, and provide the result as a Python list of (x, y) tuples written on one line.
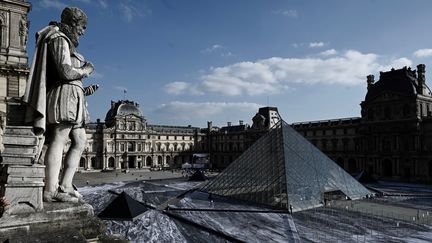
[(125, 140), (392, 139)]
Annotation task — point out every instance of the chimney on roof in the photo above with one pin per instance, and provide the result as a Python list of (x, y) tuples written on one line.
[(421, 70), (209, 125), (370, 80), (229, 124), (241, 122)]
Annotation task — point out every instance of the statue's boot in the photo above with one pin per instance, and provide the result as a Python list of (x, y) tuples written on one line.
[(71, 191), (58, 196)]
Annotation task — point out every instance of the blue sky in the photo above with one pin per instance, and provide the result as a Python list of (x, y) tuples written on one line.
[(192, 61)]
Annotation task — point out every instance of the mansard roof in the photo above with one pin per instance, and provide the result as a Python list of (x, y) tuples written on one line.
[(123, 108), (403, 81), (172, 129)]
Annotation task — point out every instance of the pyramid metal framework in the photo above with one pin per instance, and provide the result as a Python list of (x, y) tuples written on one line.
[(283, 169)]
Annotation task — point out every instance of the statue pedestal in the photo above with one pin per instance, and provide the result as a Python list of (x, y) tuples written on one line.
[(21, 181), (57, 222), (23, 187)]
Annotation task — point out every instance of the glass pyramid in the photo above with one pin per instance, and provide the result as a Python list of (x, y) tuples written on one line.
[(282, 169)]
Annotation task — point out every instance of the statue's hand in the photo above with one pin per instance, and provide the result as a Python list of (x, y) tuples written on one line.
[(90, 89), (88, 68)]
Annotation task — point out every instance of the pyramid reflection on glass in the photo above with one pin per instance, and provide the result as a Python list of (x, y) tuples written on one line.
[(283, 169)]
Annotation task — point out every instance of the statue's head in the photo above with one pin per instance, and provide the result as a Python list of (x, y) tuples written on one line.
[(75, 21)]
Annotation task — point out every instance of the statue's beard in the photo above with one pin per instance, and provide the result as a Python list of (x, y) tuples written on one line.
[(71, 33)]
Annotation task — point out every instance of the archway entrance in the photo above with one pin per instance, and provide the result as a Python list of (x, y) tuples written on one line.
[(131, 161), (93, 163), (82, 162)]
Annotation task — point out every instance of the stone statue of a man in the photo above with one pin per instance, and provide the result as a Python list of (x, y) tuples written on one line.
[(56, 100)]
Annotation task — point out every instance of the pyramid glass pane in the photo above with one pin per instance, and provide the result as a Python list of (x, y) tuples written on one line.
[(283, 169)]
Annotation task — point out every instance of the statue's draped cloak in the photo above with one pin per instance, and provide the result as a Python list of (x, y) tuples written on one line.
[(65, 103)]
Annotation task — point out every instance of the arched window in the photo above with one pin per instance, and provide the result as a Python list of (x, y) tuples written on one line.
[(82, 162), (131, 147), (148, 161)]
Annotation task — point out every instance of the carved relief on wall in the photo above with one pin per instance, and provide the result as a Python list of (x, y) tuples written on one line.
[(3, 29), (23, 31)]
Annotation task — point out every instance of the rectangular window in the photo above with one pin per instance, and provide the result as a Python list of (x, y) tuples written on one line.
[(12, 86)]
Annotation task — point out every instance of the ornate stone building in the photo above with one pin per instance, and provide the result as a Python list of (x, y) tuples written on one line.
[(14, 68), (125, 140), (393, 137), (225, 144)]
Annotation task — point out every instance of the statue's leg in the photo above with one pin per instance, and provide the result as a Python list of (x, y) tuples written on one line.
[(73, 156), (53, 157)]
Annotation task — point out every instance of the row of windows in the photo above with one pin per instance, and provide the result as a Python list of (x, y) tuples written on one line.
[(161, 137), (228, 137), (147, 147), (334, 144), (227, 147), (332, 132)]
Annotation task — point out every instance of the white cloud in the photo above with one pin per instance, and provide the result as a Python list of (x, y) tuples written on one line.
[(178, 88), (52, 4), (206, 110), (296, 45), (212, 48), (316, 44), (130, 11), (253, 78), (292, 13), (120, 88), (423, 53), (226, 54), (217, 48), (276, 74), (103, 4), (329, 52), (399, 63)]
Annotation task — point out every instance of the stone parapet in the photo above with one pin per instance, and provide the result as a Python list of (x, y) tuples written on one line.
[(58, 222)]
